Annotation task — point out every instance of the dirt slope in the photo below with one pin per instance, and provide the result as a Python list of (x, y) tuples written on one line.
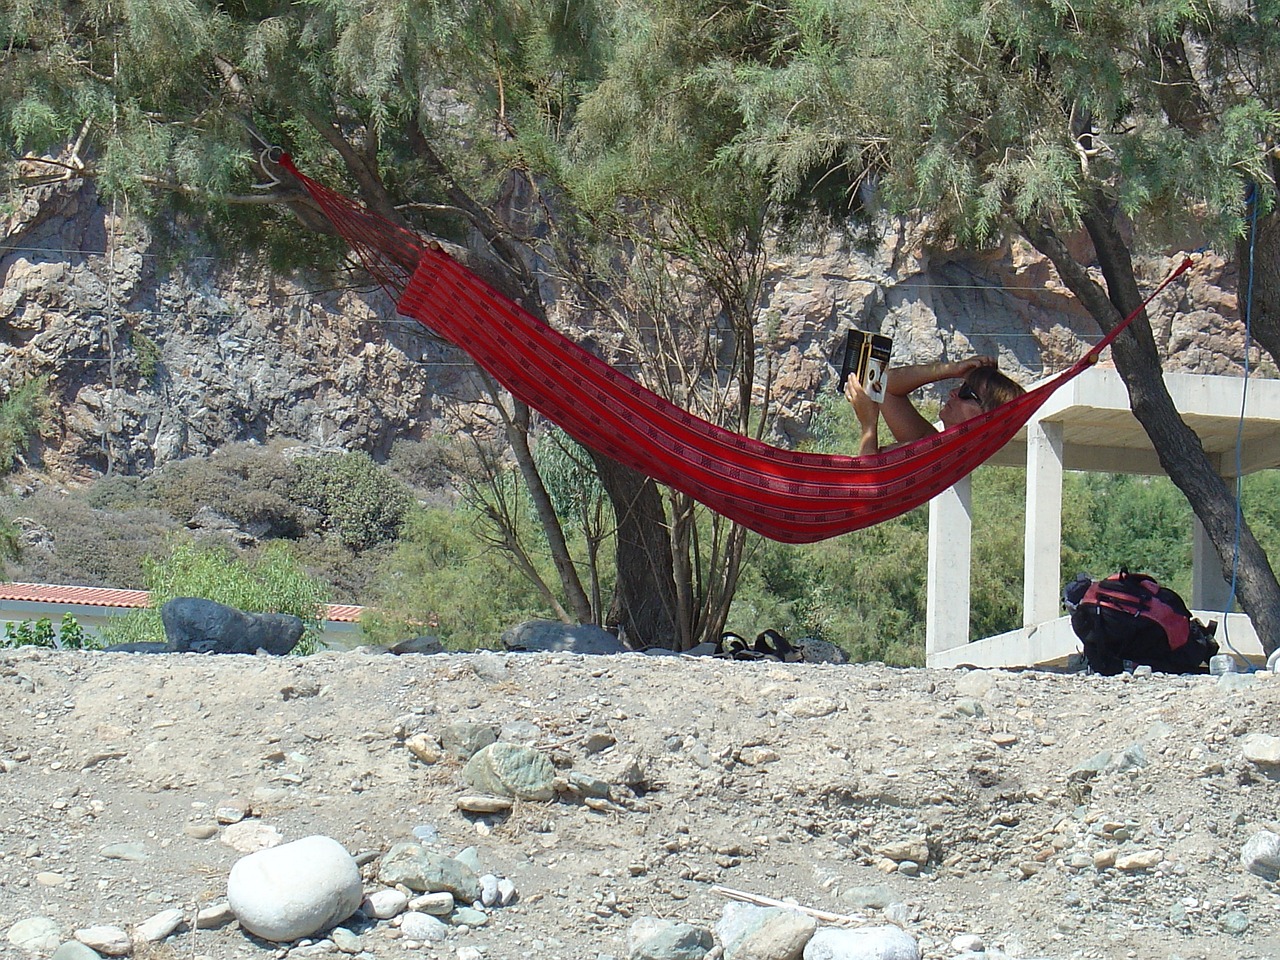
[(820, 783)]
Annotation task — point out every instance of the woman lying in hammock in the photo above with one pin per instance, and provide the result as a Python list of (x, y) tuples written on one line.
[(983, 388)]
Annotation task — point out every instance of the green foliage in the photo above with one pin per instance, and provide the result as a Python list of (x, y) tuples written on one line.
[(358, 501), (147, 353), (41, 633), (272, 582), (10, 542), (1115, 520), (22, 414), (442, 580)]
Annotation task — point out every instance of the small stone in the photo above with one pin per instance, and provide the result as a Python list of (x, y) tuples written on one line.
[(1142, 860), (1233, 922), (1004, 739), (506, 892), (156, 928), (200, 831), (422, 926), (212, 917), (251, 836), (468, 917), (132, 852), (385, 904), (473, 803), (75, 950), (1261, 749), (107, 940), (345, 940), (231, 811), (424, 747), (438, 904), (967, 943), (1260, 855), (35, 934)]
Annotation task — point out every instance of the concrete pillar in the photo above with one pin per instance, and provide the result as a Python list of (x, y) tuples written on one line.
[(1042, 542), (1209, 591), (947, 587)]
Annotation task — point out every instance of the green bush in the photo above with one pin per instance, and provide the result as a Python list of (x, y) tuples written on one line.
[(358, 502), (271, 582), (444, 580), (68, 636), (22, 415)]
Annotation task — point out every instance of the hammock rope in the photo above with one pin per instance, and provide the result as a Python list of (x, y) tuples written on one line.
[(786, 495)]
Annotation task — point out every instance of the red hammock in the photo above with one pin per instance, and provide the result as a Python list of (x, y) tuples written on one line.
[(785, 495)]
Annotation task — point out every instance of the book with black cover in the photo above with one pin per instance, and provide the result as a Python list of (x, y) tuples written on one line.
[(866, 356)]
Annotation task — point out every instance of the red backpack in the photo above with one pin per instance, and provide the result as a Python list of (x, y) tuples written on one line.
[(1130, 617)]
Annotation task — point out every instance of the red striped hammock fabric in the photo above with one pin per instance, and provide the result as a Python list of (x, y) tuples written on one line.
[(786, 495)]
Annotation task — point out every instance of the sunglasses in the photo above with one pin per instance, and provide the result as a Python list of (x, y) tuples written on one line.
[(966, 392)]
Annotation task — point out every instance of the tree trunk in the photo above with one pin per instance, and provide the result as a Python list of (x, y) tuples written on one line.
[(1177, 445), (644, 599), (1265, 279)]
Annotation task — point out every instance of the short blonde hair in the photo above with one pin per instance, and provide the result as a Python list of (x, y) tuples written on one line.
[(993, 387)]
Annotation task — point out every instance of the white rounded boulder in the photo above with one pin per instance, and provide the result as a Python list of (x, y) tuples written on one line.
[(295, 890)]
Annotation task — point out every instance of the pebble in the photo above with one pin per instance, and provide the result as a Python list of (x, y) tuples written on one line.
[(156, 928), (35, 934), (472, 803), (653, 938), (251, 836), (295, 890), (424, 927), (1142, 860), (212, 917), (387, 903), (105, 939), (133, 852), (1260, 855), (75, 950), (862, 943), (345, 940), (1261, 749), (439, 904)]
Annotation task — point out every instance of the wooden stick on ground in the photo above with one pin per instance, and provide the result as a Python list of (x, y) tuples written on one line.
[(760, 901)]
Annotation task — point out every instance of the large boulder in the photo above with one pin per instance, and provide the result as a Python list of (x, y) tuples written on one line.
[(552, 636), (193, 625)]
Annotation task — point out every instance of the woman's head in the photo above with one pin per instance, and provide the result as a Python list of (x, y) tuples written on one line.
[(992, 387), (985, 388)]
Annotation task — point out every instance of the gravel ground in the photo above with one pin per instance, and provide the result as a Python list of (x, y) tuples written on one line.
[(1018, 814)]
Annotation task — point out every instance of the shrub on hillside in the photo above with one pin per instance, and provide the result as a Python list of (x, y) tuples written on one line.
[(87, 546), (249, 485), (22, 413), (429, 464), (359, 502)]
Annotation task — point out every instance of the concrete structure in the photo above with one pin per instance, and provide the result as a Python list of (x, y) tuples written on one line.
[(94, 606), (1087, 425)]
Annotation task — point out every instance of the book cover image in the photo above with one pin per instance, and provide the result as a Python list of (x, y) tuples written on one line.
[(866, 356)]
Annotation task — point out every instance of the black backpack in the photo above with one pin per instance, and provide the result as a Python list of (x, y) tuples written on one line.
[(1131, 618)]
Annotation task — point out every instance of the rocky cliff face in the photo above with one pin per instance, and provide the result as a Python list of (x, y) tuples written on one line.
[(151, 361)]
